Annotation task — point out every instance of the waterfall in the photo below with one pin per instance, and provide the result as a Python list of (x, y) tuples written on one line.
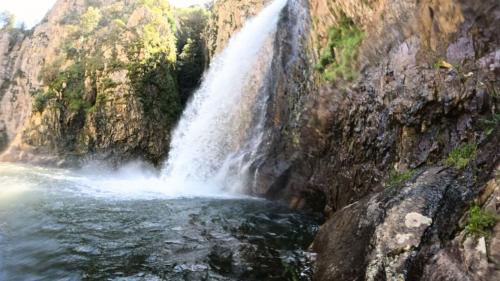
[(222, 125)]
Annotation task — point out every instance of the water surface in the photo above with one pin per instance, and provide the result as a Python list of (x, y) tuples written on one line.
[(63, 225)]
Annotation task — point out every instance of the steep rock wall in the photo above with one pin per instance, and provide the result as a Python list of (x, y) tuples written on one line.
[(420, 89), (227, 17), (102, 77), (403, 110), (22, 57)]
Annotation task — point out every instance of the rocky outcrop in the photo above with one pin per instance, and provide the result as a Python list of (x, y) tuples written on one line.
[(419, 89), (412, 232), (403, 111), (22, 56), (103, 82), (394, 144), (227, 17)]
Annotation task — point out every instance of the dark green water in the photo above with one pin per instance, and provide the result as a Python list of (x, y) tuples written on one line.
[(53, 228)]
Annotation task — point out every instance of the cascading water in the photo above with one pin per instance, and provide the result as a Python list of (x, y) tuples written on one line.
[(221, 127), (131, 224)]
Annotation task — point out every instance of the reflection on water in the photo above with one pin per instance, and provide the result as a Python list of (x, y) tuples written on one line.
[(53, 228)]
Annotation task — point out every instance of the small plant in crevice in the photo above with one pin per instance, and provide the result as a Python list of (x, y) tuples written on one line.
[(397, 177), (40, 100), (490, 124), (479, 222), (339, 58), (461, 156)]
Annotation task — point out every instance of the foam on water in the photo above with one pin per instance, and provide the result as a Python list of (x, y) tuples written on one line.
[(131, 182), (212, 144)]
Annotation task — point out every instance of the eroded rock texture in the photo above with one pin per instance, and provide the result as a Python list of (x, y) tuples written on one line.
[(228, 16), (426, 79), (95, 79)]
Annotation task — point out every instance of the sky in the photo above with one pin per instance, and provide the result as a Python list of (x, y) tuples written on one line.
[(32, 12)]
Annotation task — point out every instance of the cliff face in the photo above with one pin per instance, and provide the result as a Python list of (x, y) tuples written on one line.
[(394, 120), (228, 16), (100, 79), (383, 115), (415, 96), (21, 59)]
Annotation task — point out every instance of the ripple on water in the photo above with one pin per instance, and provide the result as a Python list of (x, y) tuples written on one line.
[(53, 232)]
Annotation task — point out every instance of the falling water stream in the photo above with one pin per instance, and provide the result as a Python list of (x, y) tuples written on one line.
[(222, 122), (187, 222)]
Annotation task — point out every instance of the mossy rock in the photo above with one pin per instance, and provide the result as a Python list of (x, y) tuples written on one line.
[(339, 58)]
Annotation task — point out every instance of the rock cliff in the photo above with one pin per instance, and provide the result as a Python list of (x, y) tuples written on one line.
[(227, 17), (384, 116), (104, 79)]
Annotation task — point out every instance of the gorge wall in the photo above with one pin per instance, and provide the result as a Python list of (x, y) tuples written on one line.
[(383, 115), (392, 133), (106, 79)]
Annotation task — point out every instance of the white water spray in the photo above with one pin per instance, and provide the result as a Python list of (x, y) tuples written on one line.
[(213, 145), (218, 126)]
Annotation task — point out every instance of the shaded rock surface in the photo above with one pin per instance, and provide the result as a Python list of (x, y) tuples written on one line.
[(340, 139), (427, 79)]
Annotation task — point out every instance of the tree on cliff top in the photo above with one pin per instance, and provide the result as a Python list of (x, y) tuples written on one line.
[(7, 20)]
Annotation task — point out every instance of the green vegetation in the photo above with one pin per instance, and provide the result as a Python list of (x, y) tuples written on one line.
[(90, 19), (152, 57), (155, 85), (490, 124), (460, 156), (69, 84), (339, 58), (108, 83), (101, 43), (396, 177), (479, 222), (191, 49), (40, 99)]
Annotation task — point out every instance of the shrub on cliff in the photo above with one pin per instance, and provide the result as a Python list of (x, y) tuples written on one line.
[(479, 222), (397, 177), (339, 58), (191, 49), (460, 156), (40, 99)]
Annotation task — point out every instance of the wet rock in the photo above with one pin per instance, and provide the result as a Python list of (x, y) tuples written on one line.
[(386, 229), (330, 144)]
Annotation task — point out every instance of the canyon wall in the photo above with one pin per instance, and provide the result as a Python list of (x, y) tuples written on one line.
[(101, 79), (392, 133), (382, 115)]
